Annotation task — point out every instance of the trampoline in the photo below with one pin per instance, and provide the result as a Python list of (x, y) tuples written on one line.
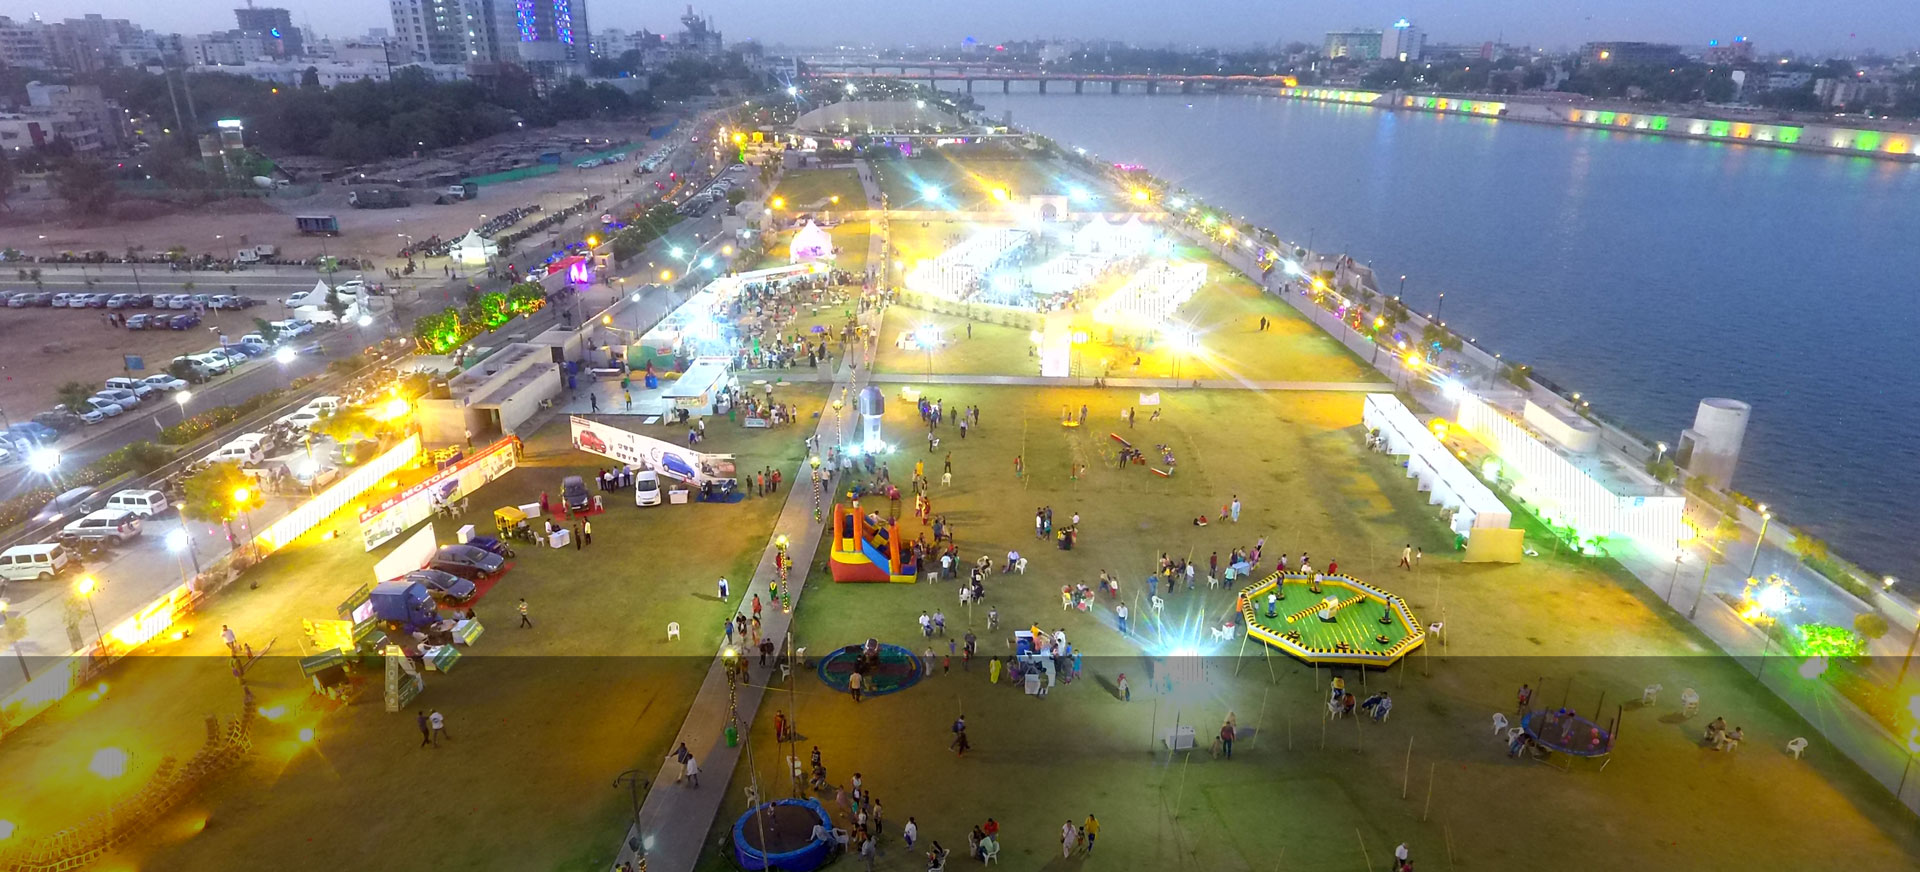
[(787, 827), (894, 669), (1565, 732)]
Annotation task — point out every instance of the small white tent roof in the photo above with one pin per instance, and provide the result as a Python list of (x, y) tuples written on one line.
[(810, 242)]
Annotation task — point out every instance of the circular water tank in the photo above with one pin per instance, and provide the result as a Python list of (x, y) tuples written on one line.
[(871, 401), (1722, 424)]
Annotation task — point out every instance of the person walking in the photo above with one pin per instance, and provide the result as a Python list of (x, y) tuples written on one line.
[(1235, 505), (1091, 829), (1120, 616), (579, 539), (1226, 740), (1406, 557), (853, 684), (1125, 689), (911, 832), (524, 620), (693, 770), (426, 732), (1069, 835), (723, 589), (867, 853), (233, 642), (439, 724)]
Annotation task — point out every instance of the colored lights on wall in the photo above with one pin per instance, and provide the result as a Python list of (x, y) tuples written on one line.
[(1330, 95), (524, 17), (563, 20), (1447, 104)]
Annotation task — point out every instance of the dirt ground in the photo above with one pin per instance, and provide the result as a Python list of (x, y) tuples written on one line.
[(46, 348)]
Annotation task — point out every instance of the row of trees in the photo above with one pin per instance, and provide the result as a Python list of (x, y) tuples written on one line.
[(442, 331)]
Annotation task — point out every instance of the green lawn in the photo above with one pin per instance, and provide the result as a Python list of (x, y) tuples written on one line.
[(1299, 793), (813, 190), (538, 715), (1224, 316)]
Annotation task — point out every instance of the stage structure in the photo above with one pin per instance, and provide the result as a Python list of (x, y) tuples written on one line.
[(1150, 298)]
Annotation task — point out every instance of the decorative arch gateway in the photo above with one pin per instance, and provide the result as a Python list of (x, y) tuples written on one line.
[(1047, 207)]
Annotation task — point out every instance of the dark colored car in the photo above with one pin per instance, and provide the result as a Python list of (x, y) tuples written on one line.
[(139, 301), (467, 561), (59, 422), (574, 490), (443, 585), (182, 322)]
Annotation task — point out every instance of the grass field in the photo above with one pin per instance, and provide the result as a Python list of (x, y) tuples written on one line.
[(537, 715), (1300, 792), (813, 190), (1224, 316)]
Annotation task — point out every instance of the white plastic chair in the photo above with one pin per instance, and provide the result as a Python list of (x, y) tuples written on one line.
[(1499, 723), (1157, 604), (673, 630), (1336, 710), (1021, 567), (1513, 735), (1650, 694), (1689, 702), (1796, 746), (933, 578), (992, 855), (940, 865)]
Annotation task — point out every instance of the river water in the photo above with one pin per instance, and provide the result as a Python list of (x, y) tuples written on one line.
[(1646, 273)]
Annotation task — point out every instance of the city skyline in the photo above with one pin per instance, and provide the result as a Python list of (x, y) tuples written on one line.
[(1844, 27)]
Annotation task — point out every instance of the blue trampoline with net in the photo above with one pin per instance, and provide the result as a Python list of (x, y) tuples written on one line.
[(779, 835), (1564, 732)]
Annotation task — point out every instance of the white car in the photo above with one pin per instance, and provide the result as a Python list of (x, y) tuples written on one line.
[(164, 383), (64, 301), (178, 301), (646, 488), (122, 397), (116, 525), (300, 420), (96, 406), (232, 354), (140, 387)]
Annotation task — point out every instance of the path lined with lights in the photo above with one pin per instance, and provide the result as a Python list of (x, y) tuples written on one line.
[(674, 820)]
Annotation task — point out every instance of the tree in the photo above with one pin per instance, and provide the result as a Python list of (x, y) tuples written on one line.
[(310, 77), (85, 186), (1870, 625), (218, 492), (74, 394), (351, 424), (335, 303), (266, 330), (1808, 546), (13, 628)]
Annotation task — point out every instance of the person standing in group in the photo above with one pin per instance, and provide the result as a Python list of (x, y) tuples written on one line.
[(426, 732), (867, 852), (853, 684), (1406, 557), (524, 620), (586, 531)]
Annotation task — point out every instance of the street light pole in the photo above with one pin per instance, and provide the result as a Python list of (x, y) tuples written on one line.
[(24, 673), (1706, 566), (634, 782), (1766, 517)]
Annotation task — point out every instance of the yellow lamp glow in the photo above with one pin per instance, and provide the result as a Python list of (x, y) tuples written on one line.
[(779, 203), (1140, 195), (240, 494), (835, 199), (108, 763), (666, 275), (1379, 323), (394, 408), (85, 585), (1413, 360), (1002, 195)]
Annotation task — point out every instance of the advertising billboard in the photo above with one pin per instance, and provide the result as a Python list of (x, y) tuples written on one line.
[(677, 462)]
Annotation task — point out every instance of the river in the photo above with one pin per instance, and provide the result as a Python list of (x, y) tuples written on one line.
[(1645, 273)]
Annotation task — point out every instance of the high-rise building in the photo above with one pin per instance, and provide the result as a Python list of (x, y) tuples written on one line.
[(1358, 44), (432, 31), (549, 37), (274, 27), (1650, 54), (23, 43), (1739, 51), (1409, 42)]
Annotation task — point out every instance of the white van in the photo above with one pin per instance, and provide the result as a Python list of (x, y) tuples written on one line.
[(324, 406), (116, 525), (145, 503), (646, 488), (39, 562), (245, 450)]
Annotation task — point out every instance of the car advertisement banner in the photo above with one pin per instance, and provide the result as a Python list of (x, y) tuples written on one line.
[(389, 518), (677, 462)]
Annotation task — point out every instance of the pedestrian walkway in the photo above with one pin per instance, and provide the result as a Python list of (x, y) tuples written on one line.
[(674, 820)]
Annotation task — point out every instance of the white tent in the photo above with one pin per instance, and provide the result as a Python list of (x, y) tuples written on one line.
[(474, 249), (810, 242)]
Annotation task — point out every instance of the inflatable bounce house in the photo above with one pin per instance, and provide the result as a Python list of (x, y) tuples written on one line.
[(867, 547)]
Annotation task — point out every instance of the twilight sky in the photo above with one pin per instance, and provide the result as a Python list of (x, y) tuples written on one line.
[(1834, 25)]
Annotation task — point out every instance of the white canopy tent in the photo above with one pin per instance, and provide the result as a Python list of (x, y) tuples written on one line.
[(810, 242), (474, 249)]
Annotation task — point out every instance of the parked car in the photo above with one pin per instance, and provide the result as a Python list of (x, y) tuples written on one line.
[(139, 301), (20, 300), (164, 382), (119, 301), (96, 301), (139, 387), (99, 406), (142, 503), (69, 502), (182, 322), (178, 301), (442, 585), (225, 301), (39, 562), (6, 296), (144, 321), (126, 398), (466, 561), (204, 301), (107, 525), (300, 420), (63, 300), (573, 489), (646, 488), (58, 421)]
